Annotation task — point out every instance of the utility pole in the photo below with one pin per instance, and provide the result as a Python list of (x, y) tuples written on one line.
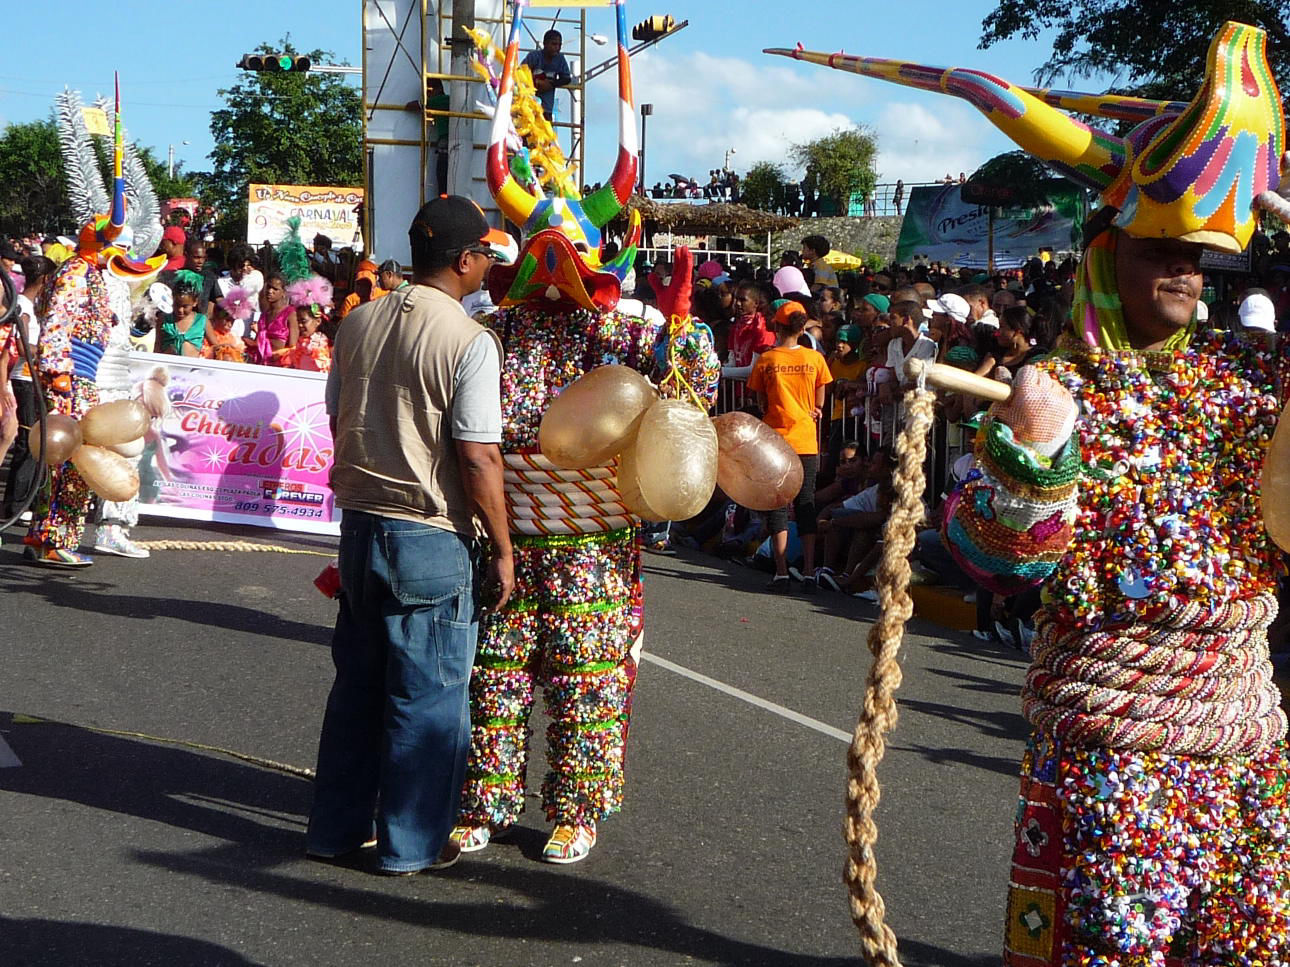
[(461, 130), (646, 111)]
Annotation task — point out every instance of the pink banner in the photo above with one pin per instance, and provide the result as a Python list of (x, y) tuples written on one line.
[(235, 443)]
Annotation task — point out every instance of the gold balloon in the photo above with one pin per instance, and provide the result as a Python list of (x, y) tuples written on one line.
[(62, 437), (1275, 485), (120, 421), (757, 468), (130, 449), (108, 474), (594, 417), (670, 470)]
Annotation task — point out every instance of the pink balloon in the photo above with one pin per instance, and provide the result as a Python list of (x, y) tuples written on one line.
[(756, 467)]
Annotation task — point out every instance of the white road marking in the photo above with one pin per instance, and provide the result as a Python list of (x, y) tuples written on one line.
[(7, 757), (751, 699)]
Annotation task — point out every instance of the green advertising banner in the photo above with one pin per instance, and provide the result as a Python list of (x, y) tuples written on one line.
[(941, 227)]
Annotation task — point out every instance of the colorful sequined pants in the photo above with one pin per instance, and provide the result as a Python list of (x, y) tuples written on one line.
[(570, 628), (1130, 859), (60, 507)]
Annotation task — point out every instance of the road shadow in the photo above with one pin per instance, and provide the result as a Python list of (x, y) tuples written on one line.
[(552, 906), (62, 943), (207, 794), (72, 591)]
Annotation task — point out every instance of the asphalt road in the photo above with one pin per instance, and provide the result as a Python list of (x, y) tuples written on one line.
[(123, 850)]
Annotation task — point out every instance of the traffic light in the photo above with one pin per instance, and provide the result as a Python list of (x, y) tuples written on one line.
[(275, 63), (651, 28)]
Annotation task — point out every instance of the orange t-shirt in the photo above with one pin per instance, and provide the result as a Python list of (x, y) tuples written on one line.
[(789, 378)]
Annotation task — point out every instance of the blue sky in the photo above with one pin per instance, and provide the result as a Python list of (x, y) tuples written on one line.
[(712, 87)]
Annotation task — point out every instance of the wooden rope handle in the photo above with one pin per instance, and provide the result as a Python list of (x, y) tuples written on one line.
[(961, 381)]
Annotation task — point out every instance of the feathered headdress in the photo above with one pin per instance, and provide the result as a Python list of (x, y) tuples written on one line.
[(313, 291), (293, 257), (115, 224), (238, 303), (143, 212)]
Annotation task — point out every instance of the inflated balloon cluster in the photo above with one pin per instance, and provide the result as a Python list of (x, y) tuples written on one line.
[(103, 445), (670, 455)]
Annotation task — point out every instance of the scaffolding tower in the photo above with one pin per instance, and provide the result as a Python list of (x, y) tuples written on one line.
[(408, 43)]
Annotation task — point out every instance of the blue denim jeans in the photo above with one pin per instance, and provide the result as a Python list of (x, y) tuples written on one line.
[(397, 728)]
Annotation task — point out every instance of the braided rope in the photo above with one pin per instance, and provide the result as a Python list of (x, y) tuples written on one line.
[(227, 546), (878, 714), (255, 760)]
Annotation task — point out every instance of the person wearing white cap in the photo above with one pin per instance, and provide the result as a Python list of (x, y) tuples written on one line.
[(950, 304), (1257, 311)]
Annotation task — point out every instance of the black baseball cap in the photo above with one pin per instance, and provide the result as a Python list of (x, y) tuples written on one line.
[(451, 223)]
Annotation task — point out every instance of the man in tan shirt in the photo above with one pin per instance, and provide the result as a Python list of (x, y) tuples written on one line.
[(414, 399)]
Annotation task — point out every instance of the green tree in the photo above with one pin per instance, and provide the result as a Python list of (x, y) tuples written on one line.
[(33, 194), (283, 128), (1157, 47), (183, 184), (763, 186), (842, 163), (1010, 180)]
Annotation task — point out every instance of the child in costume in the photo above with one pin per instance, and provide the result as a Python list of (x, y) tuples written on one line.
[(222, 342), (573, 626), (1154, 813)]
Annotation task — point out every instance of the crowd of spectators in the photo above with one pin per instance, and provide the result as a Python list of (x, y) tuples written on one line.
[(868, 325), (865, 325)]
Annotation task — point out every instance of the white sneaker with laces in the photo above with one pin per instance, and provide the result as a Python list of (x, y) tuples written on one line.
[(112, 539)]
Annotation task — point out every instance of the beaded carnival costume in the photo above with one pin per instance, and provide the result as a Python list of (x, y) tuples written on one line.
[(76, 315), (573, 625), (1153, 819)]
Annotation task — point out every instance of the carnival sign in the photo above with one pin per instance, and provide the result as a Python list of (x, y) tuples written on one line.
[(321, 210), (235, 443)]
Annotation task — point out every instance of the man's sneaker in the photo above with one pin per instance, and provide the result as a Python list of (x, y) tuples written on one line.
[(112, 539), (660, 547), (54, 557), (809, 586), (780, 584), (826, 578), (569, 844)]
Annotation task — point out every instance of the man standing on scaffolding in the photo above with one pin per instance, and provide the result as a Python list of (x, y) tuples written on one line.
[(550, 70)]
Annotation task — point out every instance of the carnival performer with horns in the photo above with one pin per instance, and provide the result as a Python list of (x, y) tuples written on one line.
[(573, 626), (77, 319), (1153, 820)]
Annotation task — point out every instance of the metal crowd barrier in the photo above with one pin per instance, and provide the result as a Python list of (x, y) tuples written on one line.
[(874, 426)]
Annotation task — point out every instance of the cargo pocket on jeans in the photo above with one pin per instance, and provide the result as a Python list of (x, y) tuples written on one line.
[(455, 643)]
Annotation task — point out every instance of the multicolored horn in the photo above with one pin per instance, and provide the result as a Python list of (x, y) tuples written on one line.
[(1121, 107), (1084, 154), (116, 221), (515, 203), (603, 204), (1199, 170)]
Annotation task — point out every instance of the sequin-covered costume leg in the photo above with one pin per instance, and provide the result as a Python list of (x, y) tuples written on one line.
[(571, 624), (60, 509), (1125, 859)]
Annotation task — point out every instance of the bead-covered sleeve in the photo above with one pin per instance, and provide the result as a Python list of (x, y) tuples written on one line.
[(688, 349), (1010, 521)]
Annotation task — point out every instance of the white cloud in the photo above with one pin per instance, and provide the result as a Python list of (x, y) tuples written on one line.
[(706, 104)]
